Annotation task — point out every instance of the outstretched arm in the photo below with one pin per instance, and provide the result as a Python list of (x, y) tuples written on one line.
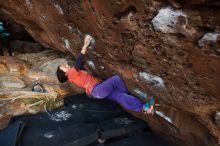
[(87, 41), (79, 61)]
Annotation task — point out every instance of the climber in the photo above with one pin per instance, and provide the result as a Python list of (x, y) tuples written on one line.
[(113, 88), (4, 39)]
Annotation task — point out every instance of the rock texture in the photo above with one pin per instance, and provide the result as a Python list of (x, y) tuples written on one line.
[(169, 49), (11, 82)]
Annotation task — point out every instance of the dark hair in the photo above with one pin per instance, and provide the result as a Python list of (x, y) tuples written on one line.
[(61, 75)]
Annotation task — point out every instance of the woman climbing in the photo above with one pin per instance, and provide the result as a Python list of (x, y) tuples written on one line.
[(113, 88)]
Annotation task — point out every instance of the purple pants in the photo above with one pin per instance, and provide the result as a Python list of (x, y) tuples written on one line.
[(115, 89)]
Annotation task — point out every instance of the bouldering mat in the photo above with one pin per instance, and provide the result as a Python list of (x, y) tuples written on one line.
[(82, 121)]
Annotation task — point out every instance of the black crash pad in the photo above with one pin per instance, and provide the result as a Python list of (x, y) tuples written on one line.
[(82, 121)]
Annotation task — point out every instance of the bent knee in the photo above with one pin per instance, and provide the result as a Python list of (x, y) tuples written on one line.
[(117, 77)]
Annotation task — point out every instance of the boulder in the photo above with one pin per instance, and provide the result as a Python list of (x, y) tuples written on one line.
[(159, 47)]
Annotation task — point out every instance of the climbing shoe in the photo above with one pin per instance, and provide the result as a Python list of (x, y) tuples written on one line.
[(148, 104)]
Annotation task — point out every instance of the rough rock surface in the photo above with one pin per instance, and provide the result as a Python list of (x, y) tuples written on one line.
[(11, 82), (169, 49)]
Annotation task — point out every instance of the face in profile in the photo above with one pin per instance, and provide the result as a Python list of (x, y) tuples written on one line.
[(64, 67)]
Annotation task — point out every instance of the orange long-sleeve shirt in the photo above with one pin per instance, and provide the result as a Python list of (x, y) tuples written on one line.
[(82, 79)]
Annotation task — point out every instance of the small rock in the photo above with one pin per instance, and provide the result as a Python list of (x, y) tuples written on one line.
[(11, 82), (208, 38), (37, 87)]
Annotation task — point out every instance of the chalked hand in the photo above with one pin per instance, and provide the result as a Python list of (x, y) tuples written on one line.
[(87, 40), (91, 46)]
